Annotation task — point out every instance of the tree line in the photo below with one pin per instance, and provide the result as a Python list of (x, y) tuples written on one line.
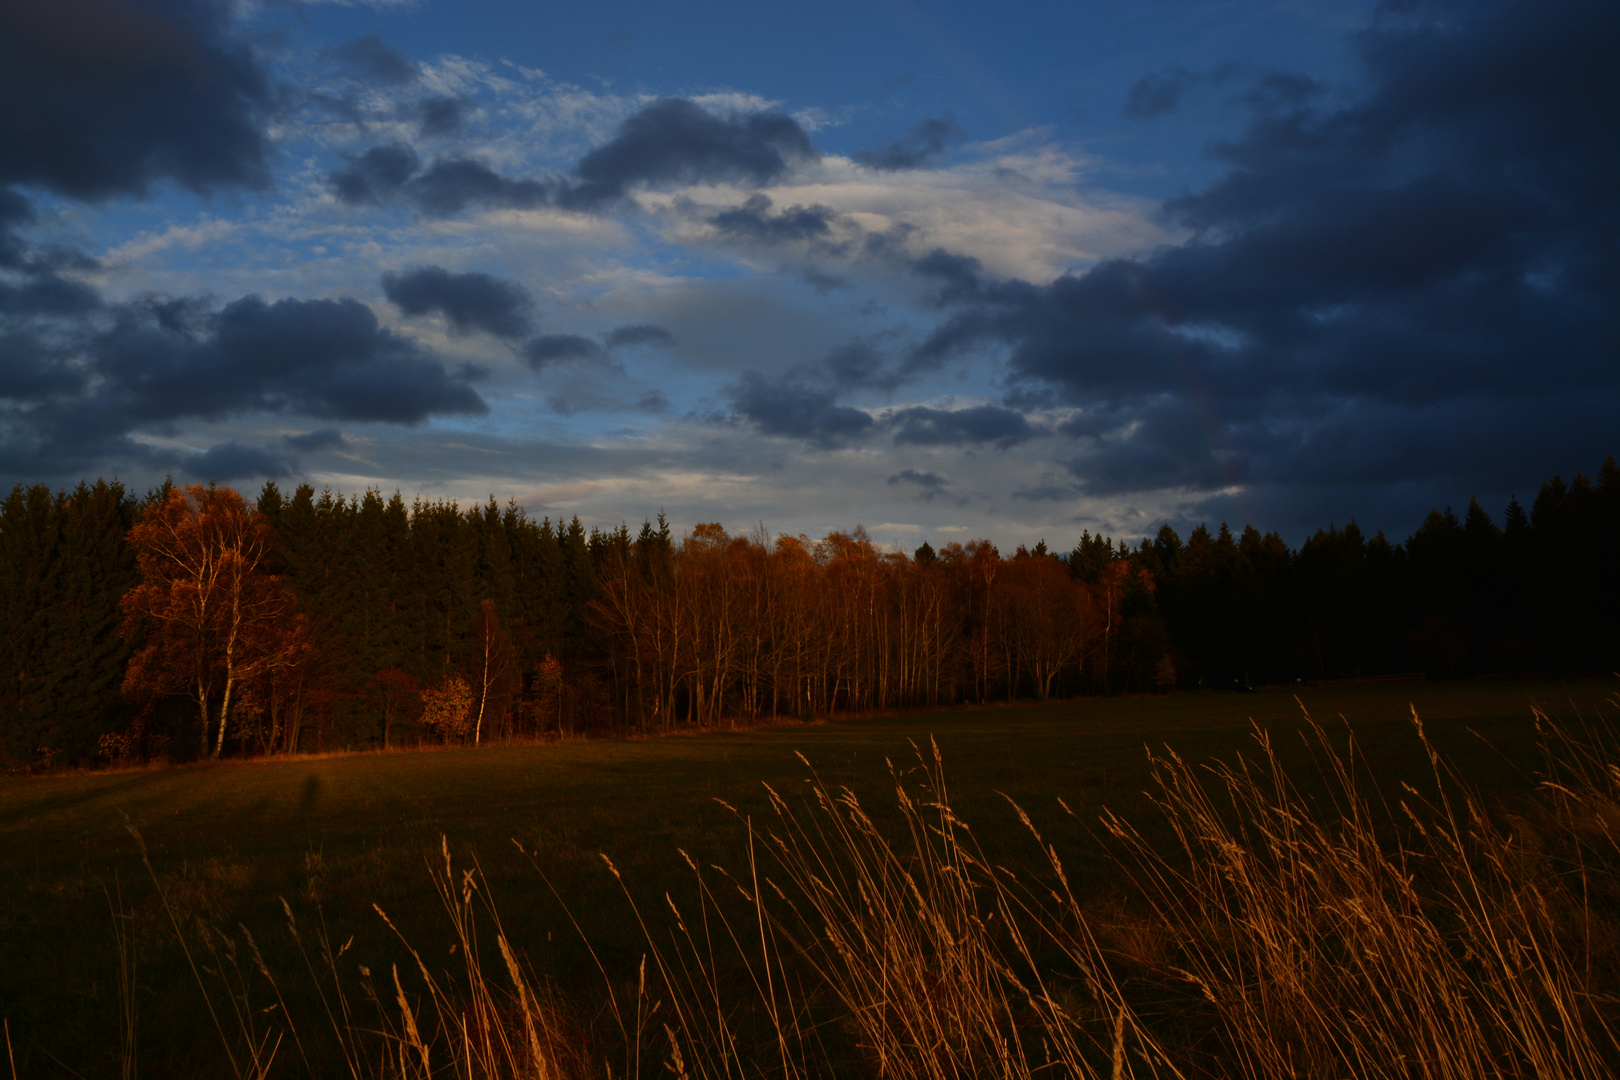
[(190, 621)]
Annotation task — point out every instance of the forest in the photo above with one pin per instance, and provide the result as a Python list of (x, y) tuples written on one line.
[(191, 622)]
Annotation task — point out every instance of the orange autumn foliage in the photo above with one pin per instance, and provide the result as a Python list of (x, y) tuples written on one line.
[(208, 616)]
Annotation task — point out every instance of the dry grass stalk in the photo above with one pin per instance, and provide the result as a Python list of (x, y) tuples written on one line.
[(258, 1047), (919, 950), (1424, 938), (128, 1027), (480, 1028), (1368, 942)]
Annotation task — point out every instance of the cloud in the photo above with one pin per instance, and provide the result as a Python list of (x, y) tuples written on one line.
[(671, 141), (1161, 92), (33, 369), (106, 98), (84, 393), (933, 486), (469, 301), (961, 278), (441, 115), (15, 210), (375, 175), (1047, 493), (639, 334), (1411, 266), (851, 365), (675, 141), (919, 147), (790, 408), (229, 461), (803, 402), (753, 221), (551, 348), (323, 358), (1022, 207), (45, 294), (921, 479), (954, 427), (368, 57), (448, 187), (323, 439), (822, 282), (1164, 445), (444, 189)]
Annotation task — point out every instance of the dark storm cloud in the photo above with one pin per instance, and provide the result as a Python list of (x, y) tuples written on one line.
[(443, 189), (230, 461), (639, 334), (921, 479), (854, 364), (753, 221), (44, 294), (794, 409), (1047, 493), (916, 149), (1167, 444), (1162, 92), (441, 115), (370, 58), (960, 278), (955, 427), (105, 98), (824, 283), (38, 311), (551, 348), (77, 390), (324, 358), (804, 402), (375, 175), (676, 141), (1158, 93), (469, 301), (671, 141), (932, 485), (1430, 265), (14, 211), (34, 369), (448, 187), (322, 439)]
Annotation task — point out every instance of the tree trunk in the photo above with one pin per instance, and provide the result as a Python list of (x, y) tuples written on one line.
[(202, 706), (224, 711)]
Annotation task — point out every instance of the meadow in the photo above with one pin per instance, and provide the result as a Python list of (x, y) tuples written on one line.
[(230, 842)]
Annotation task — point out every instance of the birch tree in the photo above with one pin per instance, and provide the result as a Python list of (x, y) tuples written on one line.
[(207, 611)]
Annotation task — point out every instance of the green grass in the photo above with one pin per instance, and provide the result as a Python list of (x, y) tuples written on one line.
[(342, 833)]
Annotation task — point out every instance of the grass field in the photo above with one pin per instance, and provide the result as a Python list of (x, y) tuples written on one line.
[(337, 834)]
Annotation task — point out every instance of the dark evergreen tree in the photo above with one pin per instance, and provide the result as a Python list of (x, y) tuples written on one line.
[(64, 567), (1438, 595)]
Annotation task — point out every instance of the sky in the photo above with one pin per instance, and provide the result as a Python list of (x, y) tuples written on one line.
[(944, 270)]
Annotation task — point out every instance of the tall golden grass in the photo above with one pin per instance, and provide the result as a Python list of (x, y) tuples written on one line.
[(1424, 937), (1365, 932)]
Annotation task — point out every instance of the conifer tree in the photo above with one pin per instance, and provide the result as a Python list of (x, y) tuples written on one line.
[(64, 567)]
